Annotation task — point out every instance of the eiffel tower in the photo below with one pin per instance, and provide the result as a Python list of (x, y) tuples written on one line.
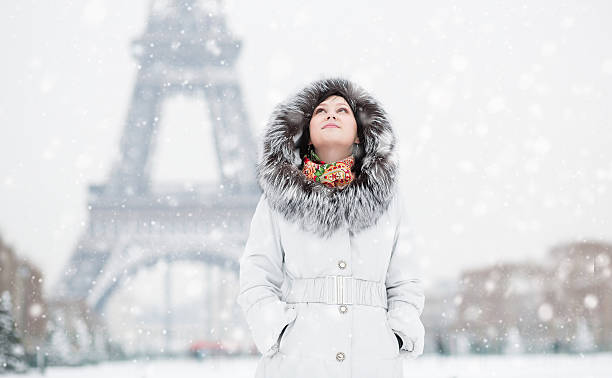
[(186, 49)]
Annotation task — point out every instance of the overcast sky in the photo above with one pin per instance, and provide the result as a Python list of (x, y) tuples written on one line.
[(502, 109)]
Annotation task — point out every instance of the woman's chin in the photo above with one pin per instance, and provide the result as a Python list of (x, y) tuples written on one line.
[(331, 141)]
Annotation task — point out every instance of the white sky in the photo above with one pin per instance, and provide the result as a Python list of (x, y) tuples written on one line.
[(500, 107)]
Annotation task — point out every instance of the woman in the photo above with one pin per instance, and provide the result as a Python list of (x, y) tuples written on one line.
[(328, 283)]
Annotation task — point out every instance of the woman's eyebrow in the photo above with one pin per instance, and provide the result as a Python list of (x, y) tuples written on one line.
[(339, 104)]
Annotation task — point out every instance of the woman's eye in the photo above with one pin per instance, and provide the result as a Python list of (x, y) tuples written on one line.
[(344, 109), (318, 110)]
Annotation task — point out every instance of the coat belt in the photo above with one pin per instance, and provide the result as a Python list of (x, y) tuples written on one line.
[(335, 290)]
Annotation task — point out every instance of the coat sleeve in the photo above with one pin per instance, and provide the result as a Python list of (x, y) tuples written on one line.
[(405, 293), (261, 277)]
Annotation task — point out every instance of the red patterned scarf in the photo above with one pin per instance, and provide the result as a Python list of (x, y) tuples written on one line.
[(336, 174)]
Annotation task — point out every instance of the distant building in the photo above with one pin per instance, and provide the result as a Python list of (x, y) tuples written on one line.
[(562, 305), (498, 299), (24, 282), (582, 296)]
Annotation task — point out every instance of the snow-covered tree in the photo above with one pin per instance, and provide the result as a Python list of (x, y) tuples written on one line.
[(514, 342), (584, 341), (60, 349), (12, 353), (462, 344)]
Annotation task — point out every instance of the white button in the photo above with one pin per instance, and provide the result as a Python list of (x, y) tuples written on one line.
[(340, 356), (342, 264), (343, 309)]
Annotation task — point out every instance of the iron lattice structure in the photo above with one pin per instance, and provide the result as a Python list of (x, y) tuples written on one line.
[(186, 49)]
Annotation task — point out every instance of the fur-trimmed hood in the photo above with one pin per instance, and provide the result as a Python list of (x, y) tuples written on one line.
[(316, 207)]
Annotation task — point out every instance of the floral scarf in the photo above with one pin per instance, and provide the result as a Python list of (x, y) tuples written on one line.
[(336, 174)]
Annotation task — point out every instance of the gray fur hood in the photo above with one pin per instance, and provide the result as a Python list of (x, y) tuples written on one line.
[(316, 207)]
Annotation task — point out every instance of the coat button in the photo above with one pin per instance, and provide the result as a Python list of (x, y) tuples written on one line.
[(341, 264), (340, 356), (343, 309)]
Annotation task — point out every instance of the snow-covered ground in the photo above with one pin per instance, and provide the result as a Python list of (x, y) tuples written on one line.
[(557, 366)]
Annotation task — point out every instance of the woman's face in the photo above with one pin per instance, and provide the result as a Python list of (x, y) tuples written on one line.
[(333, 124)]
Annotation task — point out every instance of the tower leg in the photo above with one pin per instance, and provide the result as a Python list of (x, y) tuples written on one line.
[(168, 308)]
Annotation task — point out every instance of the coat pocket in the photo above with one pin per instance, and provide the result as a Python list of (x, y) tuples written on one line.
[(286, 334), (283, 335), (394, 341)]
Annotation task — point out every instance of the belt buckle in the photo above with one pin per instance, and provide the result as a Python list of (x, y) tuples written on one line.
[(340, 289), (342, 286)]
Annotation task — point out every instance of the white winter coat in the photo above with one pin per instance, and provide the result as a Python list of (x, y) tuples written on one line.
[(329, 277)]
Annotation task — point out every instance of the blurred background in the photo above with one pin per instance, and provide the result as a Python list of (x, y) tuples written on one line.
[(129, 133)]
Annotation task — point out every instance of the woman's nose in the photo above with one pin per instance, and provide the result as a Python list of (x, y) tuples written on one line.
[(331, 115)]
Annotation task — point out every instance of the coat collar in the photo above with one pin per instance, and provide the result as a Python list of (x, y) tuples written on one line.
[(314, 206)]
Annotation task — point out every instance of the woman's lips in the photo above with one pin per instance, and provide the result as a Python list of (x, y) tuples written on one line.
[(330, 125)]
